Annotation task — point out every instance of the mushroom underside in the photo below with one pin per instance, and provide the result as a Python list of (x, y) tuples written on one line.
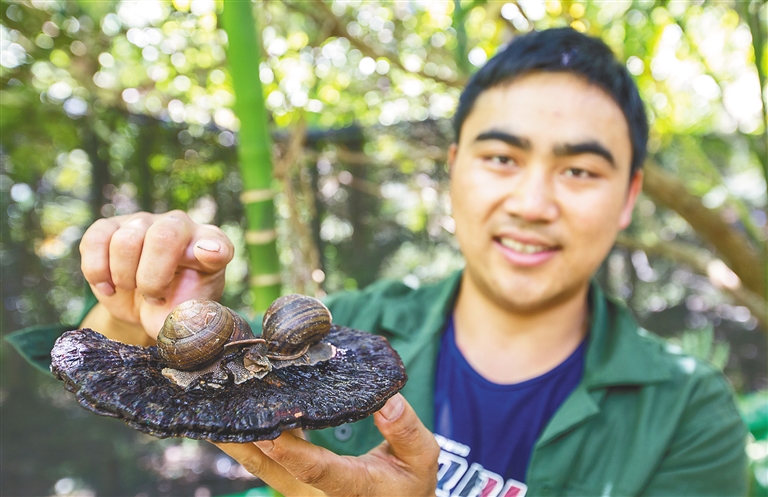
[(126, 382)]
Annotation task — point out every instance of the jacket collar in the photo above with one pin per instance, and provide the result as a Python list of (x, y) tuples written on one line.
[(422, 312), (616, 354)]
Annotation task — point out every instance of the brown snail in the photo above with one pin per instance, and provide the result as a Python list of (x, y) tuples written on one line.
[(202, 337), (195, 332), (293, 323)]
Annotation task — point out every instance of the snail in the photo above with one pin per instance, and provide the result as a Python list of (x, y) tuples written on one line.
[(202, 339)]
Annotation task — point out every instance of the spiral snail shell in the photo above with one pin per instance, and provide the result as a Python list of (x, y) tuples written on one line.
[(293, 323), (202, 337), (195, 332)]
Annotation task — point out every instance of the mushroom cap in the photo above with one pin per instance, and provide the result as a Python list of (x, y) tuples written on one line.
[(125, 381)]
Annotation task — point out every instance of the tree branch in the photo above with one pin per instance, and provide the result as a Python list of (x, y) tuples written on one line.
[(731, 245), (697, 156), (307, 255), (701, 262), (322, 15)]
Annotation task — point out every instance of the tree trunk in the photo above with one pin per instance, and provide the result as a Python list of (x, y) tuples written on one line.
[(99, 170), (143, 150)]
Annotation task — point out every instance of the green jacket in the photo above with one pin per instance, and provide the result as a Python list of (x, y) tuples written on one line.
[(645, 420)]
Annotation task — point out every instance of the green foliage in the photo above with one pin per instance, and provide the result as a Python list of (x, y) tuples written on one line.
[(754, 410), (701, 343)]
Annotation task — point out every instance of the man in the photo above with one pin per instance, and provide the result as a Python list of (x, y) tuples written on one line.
[(531, 380)]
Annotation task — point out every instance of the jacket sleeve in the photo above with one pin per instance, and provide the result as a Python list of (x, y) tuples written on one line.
[(706, 457)]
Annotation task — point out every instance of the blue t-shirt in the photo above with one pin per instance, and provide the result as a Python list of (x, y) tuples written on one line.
[(487, 431)]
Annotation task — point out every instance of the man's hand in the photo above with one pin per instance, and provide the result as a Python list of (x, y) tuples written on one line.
[(142, 265), (405, 464)]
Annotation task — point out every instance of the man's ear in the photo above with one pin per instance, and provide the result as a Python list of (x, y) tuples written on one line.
[(635, 187), (452, 150)]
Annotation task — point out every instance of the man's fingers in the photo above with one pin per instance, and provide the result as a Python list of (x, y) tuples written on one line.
[(409, 440), (164, 245), (210, 251), (157, 259), (252, 459), (406, 464), (125, 250), (273, 474), (94, 250), (313, 465), (146, 251)]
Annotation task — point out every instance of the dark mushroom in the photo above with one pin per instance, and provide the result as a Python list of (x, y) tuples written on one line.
[(132, 383)]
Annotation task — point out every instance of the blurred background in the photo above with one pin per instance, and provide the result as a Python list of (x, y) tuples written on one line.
[(113, 107)]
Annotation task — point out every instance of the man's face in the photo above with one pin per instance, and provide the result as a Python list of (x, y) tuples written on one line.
[(540, 187)]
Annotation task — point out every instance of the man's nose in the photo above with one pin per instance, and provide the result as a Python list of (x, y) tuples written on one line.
[(531, 196)]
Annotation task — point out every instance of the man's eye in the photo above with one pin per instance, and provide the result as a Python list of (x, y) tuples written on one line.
[(500, 159), (575, 172)]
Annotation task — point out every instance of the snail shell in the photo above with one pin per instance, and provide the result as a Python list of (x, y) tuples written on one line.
[(292, 324), (203, 340), (194, 334)]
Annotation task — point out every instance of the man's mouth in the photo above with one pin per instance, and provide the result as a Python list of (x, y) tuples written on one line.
[(524, 248)]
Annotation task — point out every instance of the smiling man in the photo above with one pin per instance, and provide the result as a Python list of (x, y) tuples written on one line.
[(529, 378)]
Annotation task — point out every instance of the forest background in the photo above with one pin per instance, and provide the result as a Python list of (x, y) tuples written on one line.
[(112, 107)]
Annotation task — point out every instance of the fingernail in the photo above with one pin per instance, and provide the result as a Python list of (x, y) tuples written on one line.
[(265, 445), (208, 245), (105, 289), (393, 408), (154, 301)]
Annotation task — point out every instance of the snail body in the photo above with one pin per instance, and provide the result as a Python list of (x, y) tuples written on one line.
[(202, 338)]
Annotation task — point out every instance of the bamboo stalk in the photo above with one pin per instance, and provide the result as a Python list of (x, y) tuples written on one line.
[(254, 152)]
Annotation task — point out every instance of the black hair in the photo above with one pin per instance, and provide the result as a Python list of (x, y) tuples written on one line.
[(562, 50)]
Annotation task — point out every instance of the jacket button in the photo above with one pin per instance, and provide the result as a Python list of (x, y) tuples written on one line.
[(343, 433)]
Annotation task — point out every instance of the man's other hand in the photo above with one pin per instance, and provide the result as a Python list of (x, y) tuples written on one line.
[(141, 266), (405, 464)]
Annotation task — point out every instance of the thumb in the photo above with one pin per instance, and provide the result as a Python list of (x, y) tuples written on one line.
[(408, 438)]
